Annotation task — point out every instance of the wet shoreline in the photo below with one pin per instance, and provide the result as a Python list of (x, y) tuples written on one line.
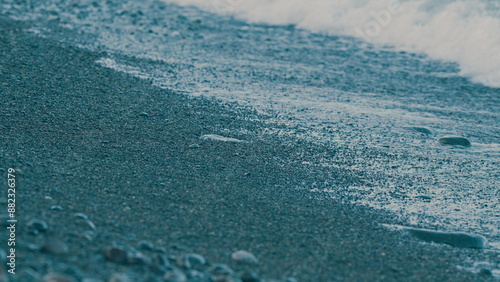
[(128, 156)]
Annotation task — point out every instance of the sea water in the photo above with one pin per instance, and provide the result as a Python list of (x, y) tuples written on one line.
[(380, 80)]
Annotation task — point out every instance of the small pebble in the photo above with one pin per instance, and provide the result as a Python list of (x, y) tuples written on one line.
[(145, 245), (180, 247), (116, 254), (190, 260), (244, 257), (27, 274), (162, 259), (420, 129), (220, 271), (56, 277), (216, 137), (81, 215), (138, 258), (249, 276), (174, 275), (88, 279), (453, 140), (194, 146), (195, 275), (88, 235), (486, 271), (56, 208), (120, 277), (56, 247), (38, 225), (85, 223)]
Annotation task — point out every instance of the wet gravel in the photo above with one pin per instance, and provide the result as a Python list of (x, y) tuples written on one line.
[(107, 193)]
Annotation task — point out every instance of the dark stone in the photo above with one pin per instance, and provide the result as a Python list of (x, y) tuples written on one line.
[(116, 254), (454, 140), (456, 239), (55, 246)]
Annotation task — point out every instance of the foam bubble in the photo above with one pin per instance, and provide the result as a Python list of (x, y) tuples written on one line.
[(465, 32)]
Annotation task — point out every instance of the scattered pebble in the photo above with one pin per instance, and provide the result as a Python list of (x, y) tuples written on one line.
[(456, 239), (195, 275), (424, 197), (162, 259), (194, 146), (191, 260), (38, 225), (221, 272), (454, 140), (145, 245), (27, 274), (56, 277), (88, 234), (216, 137), (120, 277), (138, 258), (55, 246), (87, 279), (249, 276), (421, 129), (81, 215), (174, 275), (116, 254), (181, 247), (486, 271), (244, 257), (85, 223), (56, 208)]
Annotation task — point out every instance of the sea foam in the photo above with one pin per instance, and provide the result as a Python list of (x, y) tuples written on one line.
[(464, 32)]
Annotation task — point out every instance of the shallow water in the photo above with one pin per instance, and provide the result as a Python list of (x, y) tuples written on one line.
[(369, 101)]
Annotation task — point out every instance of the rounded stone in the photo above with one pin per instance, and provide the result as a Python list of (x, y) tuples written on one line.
[(249, 276), (190, 260), (80, 215), (116, 254), (244, 257), (455, 140), (455, 239), (88, 235), (85, 223), (138, 258), (174, 275), (220, 271), (38, 225), (55, 246), (422, 129), (56, 277), (145, 245)]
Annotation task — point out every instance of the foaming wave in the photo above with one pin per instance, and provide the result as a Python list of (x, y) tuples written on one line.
[(465, 32)]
